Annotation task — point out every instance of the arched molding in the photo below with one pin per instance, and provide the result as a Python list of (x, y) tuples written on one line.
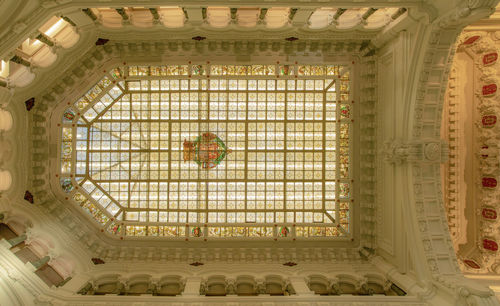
[(46, 240), (479, 49), (62, 260), (431, 246), (20, 224), (18, 150), (20, 76)]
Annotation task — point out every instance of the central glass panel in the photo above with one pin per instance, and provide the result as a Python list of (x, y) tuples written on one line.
[(216, 154)]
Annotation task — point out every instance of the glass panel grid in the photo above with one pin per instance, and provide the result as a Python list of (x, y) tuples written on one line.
[(288, 162)]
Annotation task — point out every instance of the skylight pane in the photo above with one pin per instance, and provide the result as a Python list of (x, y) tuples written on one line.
[(244, 154)]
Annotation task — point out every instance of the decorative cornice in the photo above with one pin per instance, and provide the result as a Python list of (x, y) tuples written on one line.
[(367, 128), (26, 25), (104, 57), (422, 151)]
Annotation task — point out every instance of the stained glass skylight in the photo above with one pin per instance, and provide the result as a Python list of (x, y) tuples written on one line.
[(209, 151)]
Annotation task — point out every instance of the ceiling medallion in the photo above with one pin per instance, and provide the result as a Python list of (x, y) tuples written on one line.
[(206, 150)]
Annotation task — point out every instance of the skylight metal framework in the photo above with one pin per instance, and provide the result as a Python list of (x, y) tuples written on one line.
[(287, 173)]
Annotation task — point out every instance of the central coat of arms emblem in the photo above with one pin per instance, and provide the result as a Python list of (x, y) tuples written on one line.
[(206, 150)]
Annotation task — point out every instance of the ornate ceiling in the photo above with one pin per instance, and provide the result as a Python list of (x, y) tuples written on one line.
[(54, 51)]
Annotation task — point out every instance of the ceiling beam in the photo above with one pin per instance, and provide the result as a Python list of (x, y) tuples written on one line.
[(399, 12), (369, 13), (122, 13), (19, 60), (68, 20), (262, 14), (90, 14), (155, 14), (339, 13), (45, 39)]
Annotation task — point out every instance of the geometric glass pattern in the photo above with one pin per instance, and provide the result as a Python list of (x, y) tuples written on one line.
[(283, 132)]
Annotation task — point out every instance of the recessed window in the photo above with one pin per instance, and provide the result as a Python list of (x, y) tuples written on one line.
[(211, 151)]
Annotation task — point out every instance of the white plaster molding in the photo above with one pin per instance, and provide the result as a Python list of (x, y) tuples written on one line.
[(5, 180), (5, 120), (428, 151)]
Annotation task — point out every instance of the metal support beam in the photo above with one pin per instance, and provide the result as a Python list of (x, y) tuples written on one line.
[(369, 13), (122, 13), (293, 11), (42, 261), (400, 12), (19, 60), (64, 282), (204, 13), (89, 13), (262, 15), (45, 39), (68, 20), (339, 13), (155, 14), (17, 240), (234, 11)]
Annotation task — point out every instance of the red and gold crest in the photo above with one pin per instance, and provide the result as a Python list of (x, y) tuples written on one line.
[(490, 245), (490, 58), (489, 182), (489, 213), (489, 120), (489, 89)]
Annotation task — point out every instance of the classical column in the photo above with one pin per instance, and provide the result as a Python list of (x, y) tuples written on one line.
[(42, 261), (192, 287), (17, 240), (300, 286)]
